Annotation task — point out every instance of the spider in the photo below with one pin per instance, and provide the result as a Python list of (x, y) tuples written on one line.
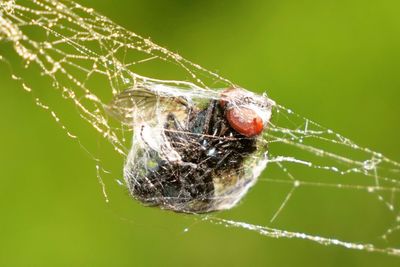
[(193, 154)]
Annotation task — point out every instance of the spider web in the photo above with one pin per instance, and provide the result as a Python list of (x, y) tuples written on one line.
[(89, 60)]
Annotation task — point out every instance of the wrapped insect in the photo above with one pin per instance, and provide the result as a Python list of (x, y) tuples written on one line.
[(192, 152)]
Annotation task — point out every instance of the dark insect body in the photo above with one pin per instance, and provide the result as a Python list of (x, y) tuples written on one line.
[(209, 148), (193, 155)]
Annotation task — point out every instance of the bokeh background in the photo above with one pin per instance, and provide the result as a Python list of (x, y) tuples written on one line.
[(336, 62)]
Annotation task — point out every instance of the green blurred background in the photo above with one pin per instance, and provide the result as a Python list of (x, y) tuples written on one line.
[(336, 62)]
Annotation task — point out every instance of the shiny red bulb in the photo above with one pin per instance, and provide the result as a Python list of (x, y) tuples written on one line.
[(245, 121), (242, 119)]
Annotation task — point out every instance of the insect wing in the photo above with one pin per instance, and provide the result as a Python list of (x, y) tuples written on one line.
[(139, 105)]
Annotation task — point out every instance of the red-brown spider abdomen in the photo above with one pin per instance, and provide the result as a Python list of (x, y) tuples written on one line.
[(245, 121)]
